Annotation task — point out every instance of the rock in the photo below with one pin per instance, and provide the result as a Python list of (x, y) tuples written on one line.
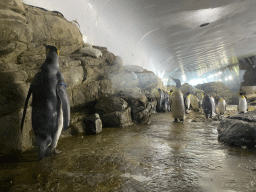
[(64, 34), (117, 118), (147, 79), (134, 68), (124, 80), (142, 115), (248, 117), (15, 5), (73, 75), (77, 128), (11, 138), (91, 52), (110, 104), (93, 124), (91, 91), (238, 133), (217, 88)]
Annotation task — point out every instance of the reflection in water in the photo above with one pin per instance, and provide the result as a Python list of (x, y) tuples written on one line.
[(162, 156)]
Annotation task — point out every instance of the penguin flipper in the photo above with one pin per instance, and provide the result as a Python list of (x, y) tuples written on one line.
[(25, 108), (63, 95)]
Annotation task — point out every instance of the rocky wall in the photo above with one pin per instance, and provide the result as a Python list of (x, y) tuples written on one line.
[(23, 30)]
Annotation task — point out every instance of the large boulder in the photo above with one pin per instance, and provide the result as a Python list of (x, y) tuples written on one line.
[(64, 34), (110, 104), (117, 118), (93, 124), (239, 130)]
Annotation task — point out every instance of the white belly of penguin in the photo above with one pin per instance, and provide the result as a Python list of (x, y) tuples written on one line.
[(60, 126), (242, 105), (221, 106), (188, 102)]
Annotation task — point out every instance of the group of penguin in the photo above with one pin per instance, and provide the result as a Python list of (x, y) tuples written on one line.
[(179, 104), (51, 107)]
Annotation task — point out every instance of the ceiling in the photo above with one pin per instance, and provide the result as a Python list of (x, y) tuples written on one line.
[(166, 36)]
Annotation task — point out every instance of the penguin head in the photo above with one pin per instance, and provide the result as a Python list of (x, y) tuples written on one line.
[(50, 50), (44, 140), (178, 83)]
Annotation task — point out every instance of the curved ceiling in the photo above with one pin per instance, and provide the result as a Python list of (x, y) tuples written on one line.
[(181, 38)]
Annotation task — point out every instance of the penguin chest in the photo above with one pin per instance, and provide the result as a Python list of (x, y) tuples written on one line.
[(221, 106), (188, 102), (242, 105)]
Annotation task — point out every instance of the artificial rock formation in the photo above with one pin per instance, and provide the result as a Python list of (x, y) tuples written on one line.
[(23, 30), (239, 130), (216, 89)]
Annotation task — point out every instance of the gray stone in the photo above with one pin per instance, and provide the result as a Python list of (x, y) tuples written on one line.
[(134, 68), (73, 75), (93, 125), (15, 5), (237, 133), (117, 118), (147, 79), (11, 138), (110, 104)]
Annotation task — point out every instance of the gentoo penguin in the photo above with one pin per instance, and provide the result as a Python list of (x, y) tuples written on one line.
[(242, 104), (177, 105), (207, 106), (194, 102), (187, 100), (221, 105), (50, 103)]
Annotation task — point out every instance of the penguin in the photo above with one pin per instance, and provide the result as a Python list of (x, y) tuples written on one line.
[(165, 101), (207, 106), (187, 100), (213, 105), (194, 102), (177, 105), (242, 104), (50, 104), (170, 98), (221, 105), (159, 100)]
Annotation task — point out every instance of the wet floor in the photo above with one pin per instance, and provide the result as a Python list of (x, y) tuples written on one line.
[(161, 156)]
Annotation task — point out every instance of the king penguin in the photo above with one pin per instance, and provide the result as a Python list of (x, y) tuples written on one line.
[(50, 104), (221, 105), (187, 100), (177, 105), (207, 106), (194, 102), (170, 98), (242, 104)]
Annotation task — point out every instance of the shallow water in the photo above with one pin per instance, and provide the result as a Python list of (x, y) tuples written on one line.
[(161, 156)]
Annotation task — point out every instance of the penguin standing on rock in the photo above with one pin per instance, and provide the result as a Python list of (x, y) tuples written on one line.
[(242, 104), (50, 104), (177, 105)]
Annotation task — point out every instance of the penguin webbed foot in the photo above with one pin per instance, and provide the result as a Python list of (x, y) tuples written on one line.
[(55, 151)]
